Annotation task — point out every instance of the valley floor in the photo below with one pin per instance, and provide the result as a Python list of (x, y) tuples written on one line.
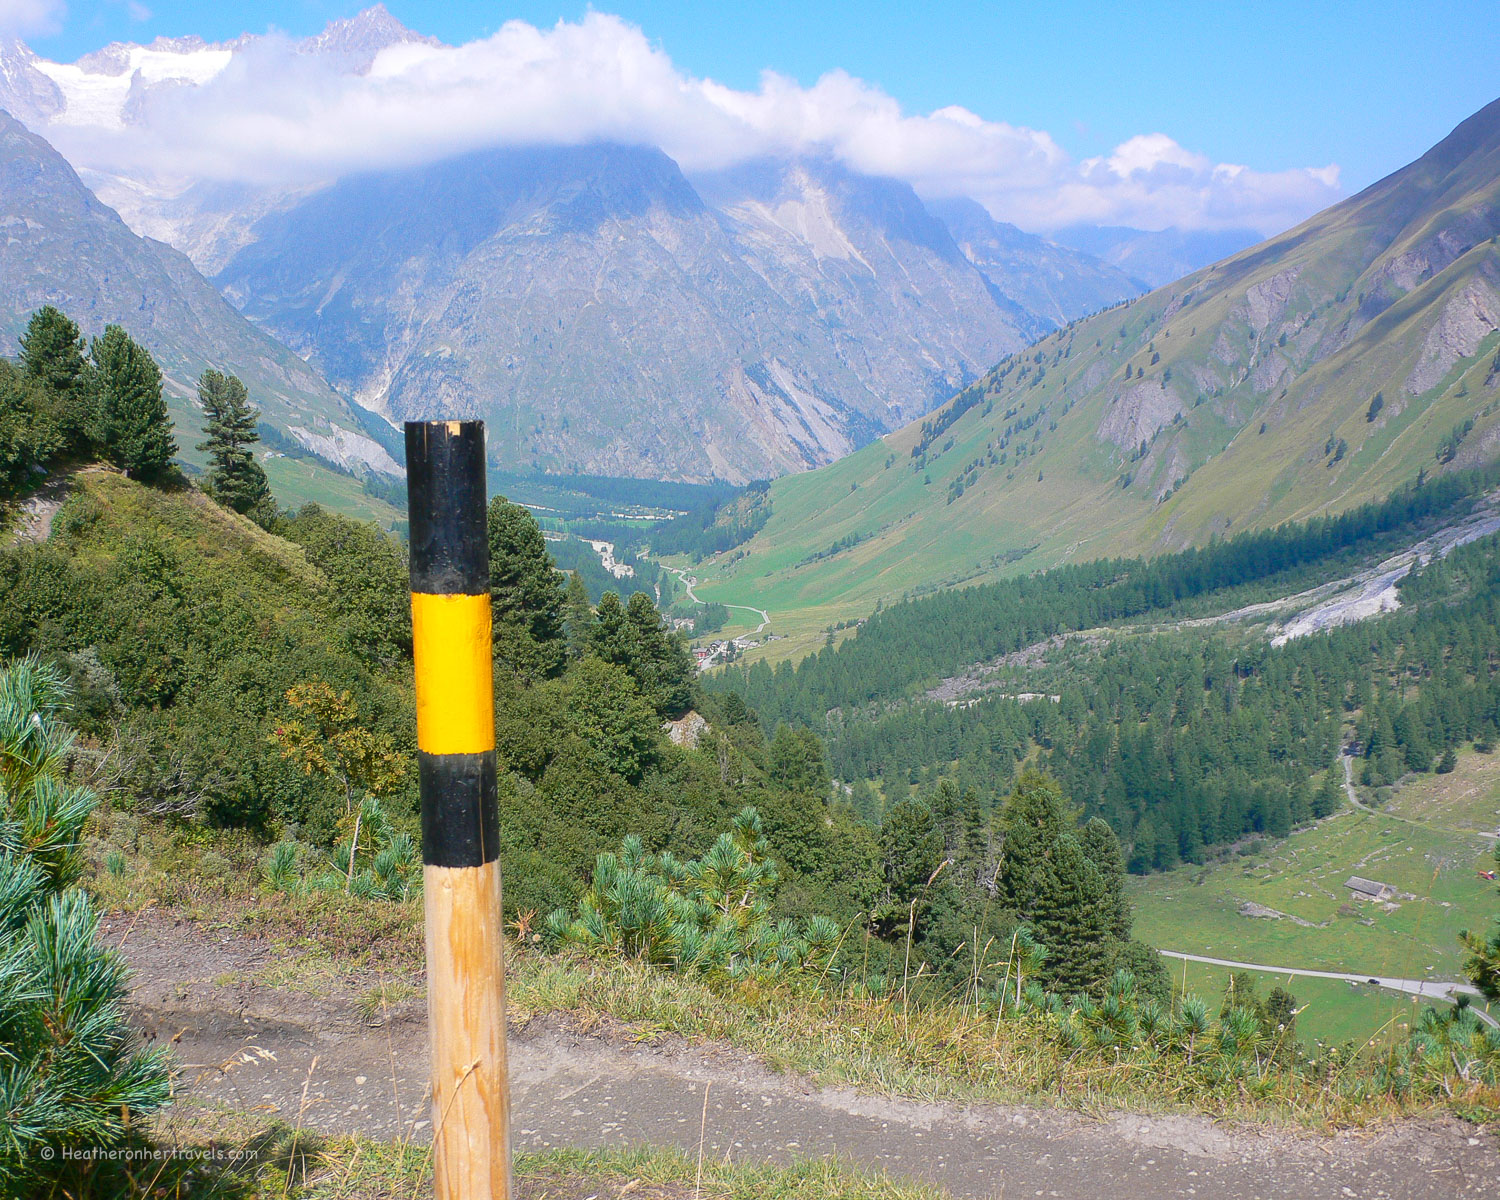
[(263, 1039), (1287, 903)]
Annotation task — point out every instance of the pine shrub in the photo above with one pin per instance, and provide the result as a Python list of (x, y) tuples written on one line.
[(70, 1076)]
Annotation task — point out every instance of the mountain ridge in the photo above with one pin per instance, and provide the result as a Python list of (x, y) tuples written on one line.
[(805, 311), (1239, 397), (790, 320)]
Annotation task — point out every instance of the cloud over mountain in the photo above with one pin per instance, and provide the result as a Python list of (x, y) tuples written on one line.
[(370, 94), (26, 17)]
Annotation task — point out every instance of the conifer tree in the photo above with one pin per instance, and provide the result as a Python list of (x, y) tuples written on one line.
[(1072, 918), (663, 668), (235, 479), (1330, 795), (1102, 847), (635, 637), (1032, 820), (578, 616), (912, 849), (137, 430), (1064, 883), (52, 352), (610, 637), (795, 760), (27, 436), (526, 594)]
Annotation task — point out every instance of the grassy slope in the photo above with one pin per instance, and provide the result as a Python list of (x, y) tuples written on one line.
[(1296, 334), (1423, 842), (294, 481), (196, 527), (269, 572)]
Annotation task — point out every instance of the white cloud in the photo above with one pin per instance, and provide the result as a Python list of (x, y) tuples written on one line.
[(23, 18), (276, 115)]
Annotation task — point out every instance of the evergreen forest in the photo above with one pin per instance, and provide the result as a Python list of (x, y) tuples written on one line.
[(1184, 737)]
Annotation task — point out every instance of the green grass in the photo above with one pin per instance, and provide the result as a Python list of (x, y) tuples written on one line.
[(295, 481), (115, 508), (1423, 843), (360, 1170)]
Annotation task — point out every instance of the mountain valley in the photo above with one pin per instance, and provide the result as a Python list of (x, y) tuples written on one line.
[(1331, 364)]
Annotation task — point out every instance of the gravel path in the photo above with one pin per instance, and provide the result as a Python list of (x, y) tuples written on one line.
[(310, 1059)]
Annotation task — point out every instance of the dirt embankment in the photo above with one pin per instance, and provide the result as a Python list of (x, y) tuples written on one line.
[(323, 1056)]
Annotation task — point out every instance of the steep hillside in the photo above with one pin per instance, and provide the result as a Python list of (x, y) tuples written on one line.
[(64, 247), (1317, 370), (604, 319)]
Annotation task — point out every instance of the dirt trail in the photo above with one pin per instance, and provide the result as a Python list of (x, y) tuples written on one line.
[(38, 509), (310, 1059)]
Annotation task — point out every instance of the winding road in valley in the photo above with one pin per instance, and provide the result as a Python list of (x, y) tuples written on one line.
[(689, 583)]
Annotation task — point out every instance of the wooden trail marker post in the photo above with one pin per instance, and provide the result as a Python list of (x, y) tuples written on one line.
[(450, 609)]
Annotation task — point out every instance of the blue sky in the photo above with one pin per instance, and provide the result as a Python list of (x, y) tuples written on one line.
[(1274, 84), (1283, 88)]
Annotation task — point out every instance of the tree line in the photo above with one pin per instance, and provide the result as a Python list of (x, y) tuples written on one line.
[(918, 642), (67, 400)]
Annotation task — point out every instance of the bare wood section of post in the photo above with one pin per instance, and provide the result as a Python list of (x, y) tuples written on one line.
[(466, 1016)]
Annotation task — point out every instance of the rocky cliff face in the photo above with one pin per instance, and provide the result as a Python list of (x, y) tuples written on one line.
[(604, 318), (608, 316)]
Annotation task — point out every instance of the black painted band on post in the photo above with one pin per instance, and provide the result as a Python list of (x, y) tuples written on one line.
[(445, 504), (460, 816)]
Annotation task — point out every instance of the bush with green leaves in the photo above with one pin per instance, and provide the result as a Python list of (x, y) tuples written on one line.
[(70, 1076), (1448, 1052), (710, 915)]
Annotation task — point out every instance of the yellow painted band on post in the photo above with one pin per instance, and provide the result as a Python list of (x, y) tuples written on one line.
[(455, 675)]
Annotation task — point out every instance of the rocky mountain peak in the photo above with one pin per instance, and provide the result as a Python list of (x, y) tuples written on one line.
[(25, 92), (358, 39)]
